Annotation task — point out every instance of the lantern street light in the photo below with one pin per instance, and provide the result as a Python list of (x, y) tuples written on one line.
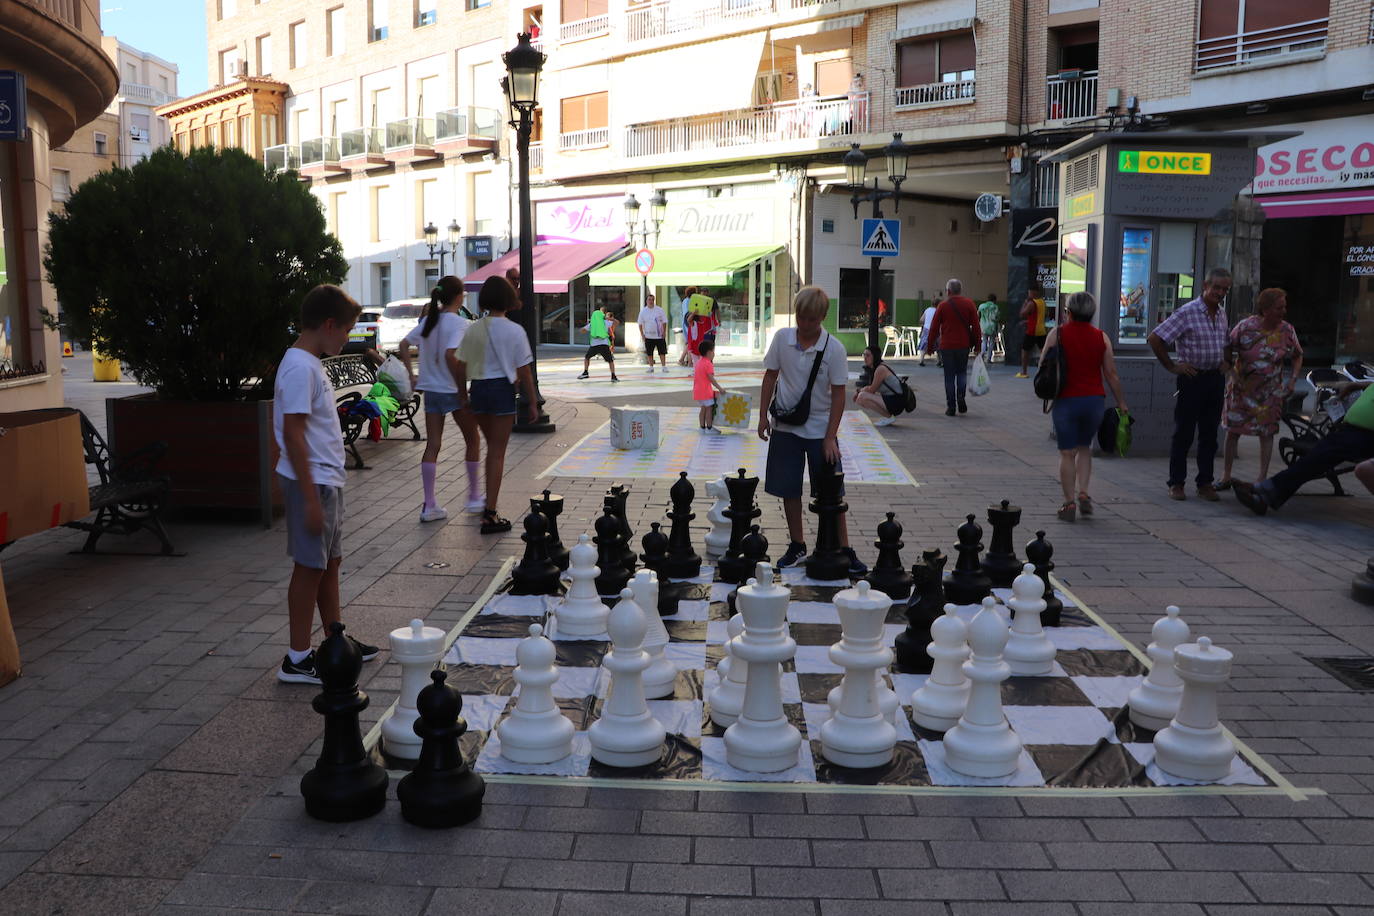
[(437, 247), (644, 234), (856, 176), (521, 87)]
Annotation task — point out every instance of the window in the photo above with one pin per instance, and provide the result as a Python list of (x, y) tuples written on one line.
[(834, 76), (853, 311), (228, 65), (246, 132), (583, 114), (767, 88), (298, 38), (483, 193), (376, 20), (229, 139), (162, 83), (131, 72), (304, 129), (212, 135), (575, 10), (267, 130), (427, 206), (381, 273), (477, 4), (61, 184), (336, 203), (382, 214), (227, 8), (334, 31), (1232, 32), (381, 106), (427, 100), (947, 59), (197, 137), (183, 144), (264, 55), (102, 144), (426, 12), (339, 120)]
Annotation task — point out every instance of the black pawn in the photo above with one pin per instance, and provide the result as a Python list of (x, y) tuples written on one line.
[(655, 549), (344, 784), (925, 607), (734, 566), (610, 559), (442, 790), (829, 560), (1000, 563), (683, 561), (551, 507), (968, 584), (611, 506), (535, 574), (619, 496), (754, 547), (1038, 553), (888, 576)]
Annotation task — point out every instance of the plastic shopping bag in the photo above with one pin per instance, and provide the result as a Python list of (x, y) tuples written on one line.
[(393, 374), (978, 381), (1123, 432)]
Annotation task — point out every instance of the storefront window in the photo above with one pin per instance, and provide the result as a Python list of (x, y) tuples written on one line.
[(581, 293), (555, 318), (1137, 255), (13, 348), (854, 298), (1357, 287), (733, 301)]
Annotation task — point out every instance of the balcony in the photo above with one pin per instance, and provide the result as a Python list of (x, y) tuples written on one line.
[(1070, 96), (362, 148), (536, 157), (933, 95), (466, 130), (804, 119), (410, 140), (593, 138), (320, 157), (285, 157), (672, 17), (580, 29), (1261, 45), (145, 95)]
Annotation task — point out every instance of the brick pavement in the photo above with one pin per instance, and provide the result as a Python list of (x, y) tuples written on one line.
[(151, 760)]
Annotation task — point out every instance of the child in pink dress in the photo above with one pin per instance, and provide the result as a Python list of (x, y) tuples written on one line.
[(704, 385)]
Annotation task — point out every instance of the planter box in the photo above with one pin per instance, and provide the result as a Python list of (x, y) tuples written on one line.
[(220, 454)]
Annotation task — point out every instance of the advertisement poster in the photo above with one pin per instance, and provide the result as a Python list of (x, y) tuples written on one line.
[(1137, 249), (1073, 263)]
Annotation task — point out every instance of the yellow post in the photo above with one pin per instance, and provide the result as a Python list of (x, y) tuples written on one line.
[(105, 369)]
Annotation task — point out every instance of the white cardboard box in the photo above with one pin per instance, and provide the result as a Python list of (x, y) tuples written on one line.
[(634, 427), (734, 410)]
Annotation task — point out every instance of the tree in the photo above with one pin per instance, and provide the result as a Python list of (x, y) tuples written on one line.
[(189, 269)]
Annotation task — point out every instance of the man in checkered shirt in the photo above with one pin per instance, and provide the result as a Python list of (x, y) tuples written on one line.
[(1199, 332)]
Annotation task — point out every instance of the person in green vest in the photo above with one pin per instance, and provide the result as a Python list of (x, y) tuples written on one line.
[(990, 322), (600, 330)]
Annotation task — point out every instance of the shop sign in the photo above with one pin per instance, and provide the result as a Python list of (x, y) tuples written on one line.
[(1359, 260), (1338, 153), (719, 221), (588, 219), (477, 246), (1081, 205), (1160, 162), (14, 116), (1034, 231)]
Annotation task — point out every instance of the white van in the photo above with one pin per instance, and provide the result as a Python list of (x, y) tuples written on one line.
[(398, 318)]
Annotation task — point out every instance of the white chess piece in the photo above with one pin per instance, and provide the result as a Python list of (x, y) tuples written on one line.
[(660, 678), (418, 649), (762, 740), (536, 731), (1155, 701), (581, 613), (1029, 651), (718, 538), (1194, 745), (938, 704), (627, 734), (858, 734), (726, 699), (983, 743)]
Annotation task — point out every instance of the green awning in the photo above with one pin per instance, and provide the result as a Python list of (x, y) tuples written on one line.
[(684, 266)]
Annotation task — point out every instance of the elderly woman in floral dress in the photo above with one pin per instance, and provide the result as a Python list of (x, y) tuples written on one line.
[(1261, 346)]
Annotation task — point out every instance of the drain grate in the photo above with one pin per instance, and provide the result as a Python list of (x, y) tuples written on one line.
[(1354, 671)]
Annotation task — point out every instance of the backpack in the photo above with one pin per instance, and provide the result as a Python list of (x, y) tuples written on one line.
[(908, 395), (1050, 377)]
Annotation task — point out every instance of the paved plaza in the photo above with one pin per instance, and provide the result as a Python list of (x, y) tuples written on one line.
[(150, 760)]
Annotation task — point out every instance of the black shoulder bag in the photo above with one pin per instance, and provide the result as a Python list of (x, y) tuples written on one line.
[(799, 414), (1050, 377)]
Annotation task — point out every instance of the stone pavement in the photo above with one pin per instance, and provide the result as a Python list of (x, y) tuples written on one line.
[(149, 760)]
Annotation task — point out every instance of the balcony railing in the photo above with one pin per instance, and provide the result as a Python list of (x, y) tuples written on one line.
[(65, 11), (467, 121), (579, 29), (361, 141), (1261, 44), (320, 151), (1068, 97), (409, 132), (536, 157), (585, 139), (137, 92), (285, 157), (934, 94), (803, 119), (671, 17)]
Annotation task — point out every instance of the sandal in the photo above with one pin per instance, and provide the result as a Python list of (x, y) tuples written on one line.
[(492, 523), (1221, 485), (1085, 504), (1067, 511)]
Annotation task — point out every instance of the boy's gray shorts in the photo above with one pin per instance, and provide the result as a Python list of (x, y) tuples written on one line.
[(313, 550)]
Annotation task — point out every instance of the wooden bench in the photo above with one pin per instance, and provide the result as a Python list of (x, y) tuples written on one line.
[(352, 377), (130, 494)]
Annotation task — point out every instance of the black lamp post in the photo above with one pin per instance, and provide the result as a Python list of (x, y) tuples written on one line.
[(855, 171), (646, 232), (521, 86), (437, 247)]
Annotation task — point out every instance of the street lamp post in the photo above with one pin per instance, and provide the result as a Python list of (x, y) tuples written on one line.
[(437, 247), (855, 171), (647, 232), (521, 86)]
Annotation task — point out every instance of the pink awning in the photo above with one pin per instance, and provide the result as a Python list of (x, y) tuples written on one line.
[(555, 266), (1328, 203)]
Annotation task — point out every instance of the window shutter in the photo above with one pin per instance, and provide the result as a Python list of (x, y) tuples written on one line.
[(833, 76), (916, 63)]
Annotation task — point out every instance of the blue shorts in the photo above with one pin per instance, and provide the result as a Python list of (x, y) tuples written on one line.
[(788, 455), (441, 401), (495, 396), (1076, 420)]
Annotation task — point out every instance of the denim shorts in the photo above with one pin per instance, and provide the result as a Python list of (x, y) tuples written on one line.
[(495, 396), (788, 455), (441, 401), (1076, 420)]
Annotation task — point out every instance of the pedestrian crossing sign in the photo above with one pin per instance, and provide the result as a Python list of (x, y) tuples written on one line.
[(881, 238)]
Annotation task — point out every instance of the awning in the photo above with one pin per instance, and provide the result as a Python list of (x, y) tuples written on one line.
[(683, 266), (815, 27), (1327, 203), (555, 266), (715, 76)]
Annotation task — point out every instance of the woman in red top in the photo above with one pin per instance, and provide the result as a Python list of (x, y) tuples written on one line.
[(1078, 409)]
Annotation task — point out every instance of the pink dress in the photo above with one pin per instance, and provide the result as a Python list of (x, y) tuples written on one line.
[(1254, 395)]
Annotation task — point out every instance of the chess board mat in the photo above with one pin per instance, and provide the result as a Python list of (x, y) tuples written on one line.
[(866, 456), (1077, 736)]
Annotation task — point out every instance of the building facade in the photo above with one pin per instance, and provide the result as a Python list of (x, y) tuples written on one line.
[(146, 81)]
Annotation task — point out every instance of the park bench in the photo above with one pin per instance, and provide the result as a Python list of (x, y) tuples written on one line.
[(130, 494), (1306, 430), (352, 377)]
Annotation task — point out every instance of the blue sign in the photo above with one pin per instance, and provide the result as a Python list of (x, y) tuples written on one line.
[(880, 238), (14, 114), (477, 246)]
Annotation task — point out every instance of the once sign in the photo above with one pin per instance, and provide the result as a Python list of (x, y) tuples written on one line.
[(1156, 162)]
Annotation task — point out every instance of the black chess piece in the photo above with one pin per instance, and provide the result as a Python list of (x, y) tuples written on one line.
[(753, 547), (611, 504), (683, 561), (1038, 553), (442, 790), (610, 555), (1000, 563), (734, 566), (619, 495), (888, 575), (829, 561), (925, 607), (344, 784), (535, 574), (551, 507), (968, 584), (655, 549)]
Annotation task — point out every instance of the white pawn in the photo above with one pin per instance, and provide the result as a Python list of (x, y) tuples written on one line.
[(536, 731), (1029, 651), (726, 699), (660, 678), (1194, 745), (1155, 701), (581, 613), (762, 740), (627, 734), (417, 648), (938, 704), (983, 744), (718, 538), (857, 734)]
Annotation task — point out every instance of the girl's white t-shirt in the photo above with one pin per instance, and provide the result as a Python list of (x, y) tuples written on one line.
[(447, 334)]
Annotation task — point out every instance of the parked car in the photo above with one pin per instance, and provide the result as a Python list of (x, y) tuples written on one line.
[(398, 318), (366, 328)]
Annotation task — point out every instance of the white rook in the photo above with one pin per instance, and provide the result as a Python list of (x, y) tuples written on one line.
[(858, 734), (1155, 701), (418, 649), (1194, 745), (762, 740)]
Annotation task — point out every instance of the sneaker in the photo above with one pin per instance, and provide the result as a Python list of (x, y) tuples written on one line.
[(884, 421), (1208, 492), (585, 375), (615, 378), (963, 407), (712, 431), (949, 411), (475, 505), (1021, 375), (368, 652), (433, 515), (796, 552), (856, 566), (651, 370), (1176, 492), (301, 672)]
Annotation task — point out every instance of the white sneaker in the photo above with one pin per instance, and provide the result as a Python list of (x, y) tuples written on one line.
[(475, 505), (433, 515), (884, 421), (651, 370)]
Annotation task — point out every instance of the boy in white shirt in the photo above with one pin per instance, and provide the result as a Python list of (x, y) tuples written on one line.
[(653, 327)]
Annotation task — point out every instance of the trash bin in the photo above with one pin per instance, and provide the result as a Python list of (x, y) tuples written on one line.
[(104, 368)]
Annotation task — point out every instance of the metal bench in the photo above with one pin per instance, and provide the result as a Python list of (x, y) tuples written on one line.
[(1306, 430), (130, 493), (352, 377)]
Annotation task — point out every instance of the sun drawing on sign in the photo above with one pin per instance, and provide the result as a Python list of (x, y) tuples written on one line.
[(736, 410)]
